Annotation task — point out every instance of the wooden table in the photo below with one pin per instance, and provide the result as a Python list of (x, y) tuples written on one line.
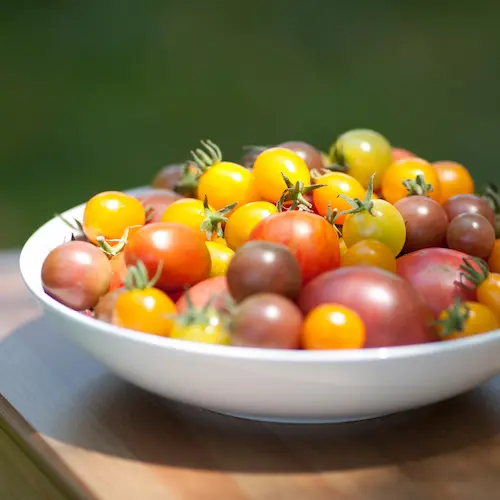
[(70, 429)]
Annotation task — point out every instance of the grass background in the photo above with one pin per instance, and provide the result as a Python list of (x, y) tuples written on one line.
[(99, 94)]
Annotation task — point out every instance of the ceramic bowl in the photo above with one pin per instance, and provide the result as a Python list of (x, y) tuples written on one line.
[(268, 384)]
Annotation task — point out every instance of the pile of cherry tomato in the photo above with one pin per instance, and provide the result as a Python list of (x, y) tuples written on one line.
[(367, 245)]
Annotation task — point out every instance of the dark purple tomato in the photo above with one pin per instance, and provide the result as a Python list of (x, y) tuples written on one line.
[(393, 312), (155, 201), (469, 204), (168, 177), (306, 151), (103, 310), (471, 234), (267, 320), (425, 222), (263, 267), (76, 274)]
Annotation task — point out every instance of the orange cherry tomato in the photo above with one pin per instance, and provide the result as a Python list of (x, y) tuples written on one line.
[(472, 318), (110, 213), (369, 253), (244, 219), (494, 260), (332, 326), (145, 310), (337, 183), (454, 179), (269, 167), (393, 188), (488, 292), (224, 183)]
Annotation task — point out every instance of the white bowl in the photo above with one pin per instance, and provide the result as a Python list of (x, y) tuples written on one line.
[(269, 384)]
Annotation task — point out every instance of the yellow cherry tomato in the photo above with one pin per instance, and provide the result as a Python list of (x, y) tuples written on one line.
[(242, 221), (370, 253), (269, 167), (343, 247), (220, 255), (188, 212), (466, 319), (364, 153), (332, 326), (336, 183), (383, 223), (454, 179), (110, 213), (393, 188), (145, 310), (224, 183), (208, 328)]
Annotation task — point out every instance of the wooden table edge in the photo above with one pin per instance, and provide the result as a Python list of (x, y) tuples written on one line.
[(25, 437)]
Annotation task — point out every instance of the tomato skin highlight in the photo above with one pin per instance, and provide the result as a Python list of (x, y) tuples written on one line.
[(394, 313), (180, 250), (269, 167), (110, 213), (332, 326), (436, 274), (311, 239), (144, 311)]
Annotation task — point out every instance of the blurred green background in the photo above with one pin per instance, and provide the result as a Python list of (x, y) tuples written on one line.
[(100, 94)]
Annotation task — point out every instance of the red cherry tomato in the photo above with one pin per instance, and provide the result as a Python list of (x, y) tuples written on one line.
[(183, 255), (311, 239), (214, 289)]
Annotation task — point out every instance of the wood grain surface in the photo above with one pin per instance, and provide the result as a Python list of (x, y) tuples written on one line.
[(113, 441)]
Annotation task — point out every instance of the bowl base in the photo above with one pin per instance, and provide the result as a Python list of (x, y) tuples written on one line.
[(302, 421)]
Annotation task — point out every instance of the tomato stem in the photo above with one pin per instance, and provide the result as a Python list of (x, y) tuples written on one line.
[(357, 205), (137, 277), (214, 220), (205, 160), (188, 182), (295, 193), (110, 250), (456, 318), (417, 186), (476, 277)]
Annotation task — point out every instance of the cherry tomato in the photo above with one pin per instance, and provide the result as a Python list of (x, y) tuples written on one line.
[(337, 183), (76, 274), (469, 204), (144, 311), (332, 326), (220, 256), (263, 267), (472, 234), (242, 221), (192, 213), (370, 253), (342, 247), (181, 178), (184, 256), (364, 153), (213, 290), (494, 260), (393, 188), (104, 309), (155, 201), (454, 179), (269, 167), (465, 319), (201, 325), (118, 271), (110, 213), (268, 321), (375, 220), (312, 240), (400, 153), (306, 151)]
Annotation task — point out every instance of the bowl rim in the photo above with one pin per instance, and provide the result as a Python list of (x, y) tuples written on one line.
[(222, 351)]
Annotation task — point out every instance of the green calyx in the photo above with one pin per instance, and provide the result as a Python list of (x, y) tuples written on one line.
[(358, 205), (205, 315), (473, 275), (491, 195), (337, 157), (207, 157), (214, 220), (137, 277), (295, 193), (330, 217), (111, 250), (417, 186), (456, 318), (188, 182), (76, 226)]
